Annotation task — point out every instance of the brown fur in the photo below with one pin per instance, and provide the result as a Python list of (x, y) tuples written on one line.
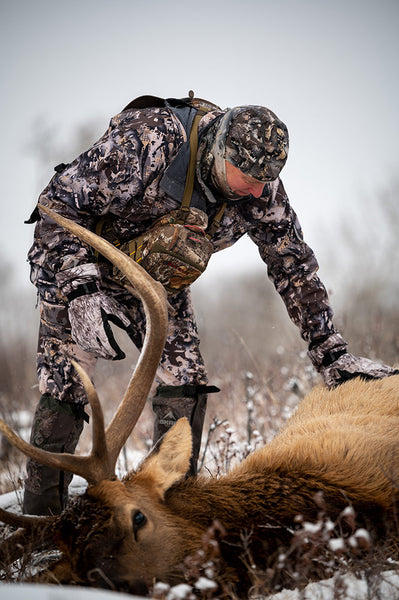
[(342, 442)]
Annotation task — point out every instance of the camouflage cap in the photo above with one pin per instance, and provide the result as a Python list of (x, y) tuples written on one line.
[(252, 138), (256, 141)]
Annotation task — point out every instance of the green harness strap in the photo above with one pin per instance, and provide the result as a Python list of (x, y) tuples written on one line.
[(190, 177)]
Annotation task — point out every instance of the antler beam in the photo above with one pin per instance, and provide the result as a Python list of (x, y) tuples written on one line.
[(100, 464)]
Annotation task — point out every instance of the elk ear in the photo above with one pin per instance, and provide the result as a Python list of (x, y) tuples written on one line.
[(169, 460)]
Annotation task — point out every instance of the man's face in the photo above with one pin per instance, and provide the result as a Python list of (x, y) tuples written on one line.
[(242, 184)]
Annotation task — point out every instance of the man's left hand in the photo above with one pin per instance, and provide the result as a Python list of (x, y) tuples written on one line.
[(348, 366), (336, 365)]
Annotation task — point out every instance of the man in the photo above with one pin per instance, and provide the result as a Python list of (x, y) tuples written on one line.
[(131, 177)]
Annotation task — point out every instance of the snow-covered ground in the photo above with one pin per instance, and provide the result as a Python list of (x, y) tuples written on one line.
[(23, 591), (13, 500), (347, 587)]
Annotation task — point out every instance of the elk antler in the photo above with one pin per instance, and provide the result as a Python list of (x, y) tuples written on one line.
[(100, 464), (32, 534)]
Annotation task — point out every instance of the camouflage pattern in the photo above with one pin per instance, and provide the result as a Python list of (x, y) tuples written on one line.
[(336, 365), (256, 141), (348, 366), (90, 315), (57, 377), (251, 138), (173, 252), (120, 177), (273, 226), (56, 428), (181, 361)]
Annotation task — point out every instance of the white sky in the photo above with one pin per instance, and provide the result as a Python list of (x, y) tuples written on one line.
[(327, 68)]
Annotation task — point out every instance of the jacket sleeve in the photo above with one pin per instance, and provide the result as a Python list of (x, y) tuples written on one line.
[(292, 267), (110, 176)]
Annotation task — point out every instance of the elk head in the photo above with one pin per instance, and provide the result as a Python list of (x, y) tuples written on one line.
[(122, 534)]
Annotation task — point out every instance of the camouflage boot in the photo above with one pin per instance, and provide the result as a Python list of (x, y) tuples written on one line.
[(170, 403), (56, 427)]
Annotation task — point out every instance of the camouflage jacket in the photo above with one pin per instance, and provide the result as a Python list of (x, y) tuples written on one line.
[(122, 177)]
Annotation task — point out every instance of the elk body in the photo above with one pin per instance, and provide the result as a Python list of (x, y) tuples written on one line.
[(342, 443)]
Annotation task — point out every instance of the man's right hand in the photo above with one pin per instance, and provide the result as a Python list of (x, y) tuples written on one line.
[(90, 316)]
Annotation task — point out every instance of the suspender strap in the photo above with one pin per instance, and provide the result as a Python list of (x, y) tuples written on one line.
[(210, 232), (190, 177), (99, 231)]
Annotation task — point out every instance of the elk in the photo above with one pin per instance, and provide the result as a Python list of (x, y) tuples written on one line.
[(340, 448)]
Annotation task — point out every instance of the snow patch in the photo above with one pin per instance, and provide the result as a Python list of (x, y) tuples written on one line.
[(385, 585)]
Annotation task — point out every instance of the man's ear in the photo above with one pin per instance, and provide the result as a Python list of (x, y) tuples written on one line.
[(169, 461)]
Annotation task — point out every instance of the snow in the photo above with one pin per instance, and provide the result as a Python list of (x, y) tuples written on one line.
[(337, 545), (179, 592), (13, 500), (36, 591), (312, 527), (347, 587), (204, 584)]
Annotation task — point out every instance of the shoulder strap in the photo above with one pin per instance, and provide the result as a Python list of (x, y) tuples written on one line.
[(202, 107), (190, 177), (210, 232)]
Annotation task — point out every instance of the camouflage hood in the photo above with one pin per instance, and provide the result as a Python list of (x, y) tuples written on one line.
[(251, 138)]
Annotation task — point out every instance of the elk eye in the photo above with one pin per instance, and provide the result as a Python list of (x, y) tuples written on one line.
[(138, 519)]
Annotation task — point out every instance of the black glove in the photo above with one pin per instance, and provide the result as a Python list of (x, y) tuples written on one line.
[(336, 365)]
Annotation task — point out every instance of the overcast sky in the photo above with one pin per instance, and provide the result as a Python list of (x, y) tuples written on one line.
[(327, 68)]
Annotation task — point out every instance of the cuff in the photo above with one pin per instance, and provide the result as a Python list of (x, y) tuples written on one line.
[(71, 279), (327, 351)]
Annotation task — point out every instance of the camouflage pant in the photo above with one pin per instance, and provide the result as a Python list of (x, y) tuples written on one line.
[(181, 362)]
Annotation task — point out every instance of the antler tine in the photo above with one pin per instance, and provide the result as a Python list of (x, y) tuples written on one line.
[(99, 444), (94, 467), (153, 296), (25, 521), (33, 533)]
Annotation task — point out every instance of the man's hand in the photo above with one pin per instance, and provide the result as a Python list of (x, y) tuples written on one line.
[(336, 365), (90, 316), (349, 366)]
